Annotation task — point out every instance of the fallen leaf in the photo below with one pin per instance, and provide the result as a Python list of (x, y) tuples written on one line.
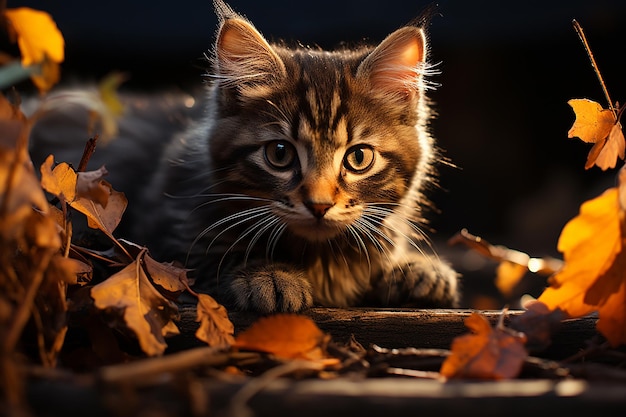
[(145, 311), (487, 353), (166, 275), (62, 181), (599, 126), (91, 185), (19, 187), (286, 336), (215, 329), (538, 323)]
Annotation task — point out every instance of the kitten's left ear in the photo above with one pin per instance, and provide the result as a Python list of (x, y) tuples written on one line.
[(395, 66), (244, 58)]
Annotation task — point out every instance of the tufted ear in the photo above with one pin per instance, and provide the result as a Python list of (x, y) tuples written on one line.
[(395, 66), (244, 59)]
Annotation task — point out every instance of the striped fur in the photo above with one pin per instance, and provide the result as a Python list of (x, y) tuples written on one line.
[(303, 184)]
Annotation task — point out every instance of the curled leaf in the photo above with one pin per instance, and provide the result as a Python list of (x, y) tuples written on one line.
[(215, 329), (166, 275), (487, 353), (60, 181), (145, 311), (92, 196), (91, 185)]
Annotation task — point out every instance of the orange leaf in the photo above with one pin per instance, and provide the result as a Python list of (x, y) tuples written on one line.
[(599, 126), (508, 275), (40, 42), (486, 353), (286, 336), (146, 312), (215, 329), (593, 278), (37, 35)]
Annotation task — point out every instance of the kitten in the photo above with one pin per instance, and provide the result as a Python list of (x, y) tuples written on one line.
[(302, 184)]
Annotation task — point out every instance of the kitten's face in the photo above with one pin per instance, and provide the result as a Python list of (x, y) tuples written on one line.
[(326, 139)]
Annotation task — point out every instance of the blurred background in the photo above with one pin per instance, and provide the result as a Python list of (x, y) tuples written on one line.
[(507, 72)]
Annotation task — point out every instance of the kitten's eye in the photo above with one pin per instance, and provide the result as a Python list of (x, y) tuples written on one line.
[(359, 158), (280, 154)]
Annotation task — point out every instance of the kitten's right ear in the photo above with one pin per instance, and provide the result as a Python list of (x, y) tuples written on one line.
[(244, 59), (396, 66)]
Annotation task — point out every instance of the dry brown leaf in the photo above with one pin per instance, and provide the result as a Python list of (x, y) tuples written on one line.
[(90, 185), (167, 276), (286, 336), (215, 329), (99, 217), (538, 323), (19, 187), (145, 311), (62, 181), (487, 353)]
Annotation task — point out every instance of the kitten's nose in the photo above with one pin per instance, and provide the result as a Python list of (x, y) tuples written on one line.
[(318, 209)]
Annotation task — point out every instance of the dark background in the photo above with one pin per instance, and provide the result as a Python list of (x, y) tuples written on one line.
[(508, 70)]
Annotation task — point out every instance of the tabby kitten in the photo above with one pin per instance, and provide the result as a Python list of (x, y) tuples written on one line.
[(302, 184)]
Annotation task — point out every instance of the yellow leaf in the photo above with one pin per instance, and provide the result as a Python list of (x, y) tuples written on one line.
[(40, 42), (599, 126), (108, 87), (593, 123), (37, 35)]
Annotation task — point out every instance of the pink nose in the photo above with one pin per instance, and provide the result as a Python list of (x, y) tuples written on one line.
[(319, 210)]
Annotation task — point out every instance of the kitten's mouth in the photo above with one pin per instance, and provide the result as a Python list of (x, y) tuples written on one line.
[(317, 230)]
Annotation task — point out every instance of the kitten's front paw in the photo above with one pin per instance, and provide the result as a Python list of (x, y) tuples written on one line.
[(424, 282), (272, 288)]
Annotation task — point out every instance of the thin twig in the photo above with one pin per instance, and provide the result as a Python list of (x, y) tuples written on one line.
[(90, 148), (583, 38)]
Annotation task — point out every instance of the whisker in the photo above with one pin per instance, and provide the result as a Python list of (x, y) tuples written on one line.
[(269, 223), (272, 240)]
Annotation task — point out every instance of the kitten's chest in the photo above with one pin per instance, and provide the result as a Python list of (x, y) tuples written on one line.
[(339, 271)]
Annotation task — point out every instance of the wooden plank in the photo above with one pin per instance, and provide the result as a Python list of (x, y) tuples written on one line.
[(399, 328)]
